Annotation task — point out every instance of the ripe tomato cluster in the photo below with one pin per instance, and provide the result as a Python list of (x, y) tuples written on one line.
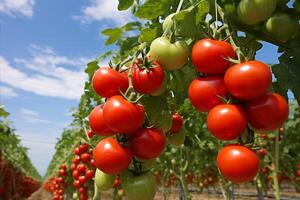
[(130, 141), (83, 169), (14, 184), (247, 85), (57, 185)]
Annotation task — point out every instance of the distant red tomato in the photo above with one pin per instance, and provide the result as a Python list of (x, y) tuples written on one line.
[(177, 123)]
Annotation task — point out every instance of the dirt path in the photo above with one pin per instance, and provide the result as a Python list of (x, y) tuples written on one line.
[(40, 194)]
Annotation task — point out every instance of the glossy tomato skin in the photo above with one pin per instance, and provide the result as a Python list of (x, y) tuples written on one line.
[(110, 157), (206, 93), (107, 82), (146, 81), (148, 143), (248, 80), (97, 123), (268, 112), (252, 12), (226, 122), (209, 56), (238, 163), (122, 116), (177, 123)]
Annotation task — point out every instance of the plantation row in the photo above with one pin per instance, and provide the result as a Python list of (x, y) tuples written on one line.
[(18, 177)]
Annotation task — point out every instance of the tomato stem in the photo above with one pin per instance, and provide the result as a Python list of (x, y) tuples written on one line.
[(275, 168)]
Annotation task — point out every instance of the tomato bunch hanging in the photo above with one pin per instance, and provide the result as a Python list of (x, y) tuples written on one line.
[(237, 100), (83, 169), (131, 139)]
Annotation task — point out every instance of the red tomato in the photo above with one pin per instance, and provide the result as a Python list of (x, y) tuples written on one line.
[(298, 173), (72, 167), (82, 190), (117, 183), (76, 160), (238, 163), (76, 184), (82, 179), (84, 148), (90, 173), (75, 174), (77, 151), (62, 173), (248, 80), (226, 122), (147, 81), (97, 123), (262, 152), (90, 133), (110, 157), (92, 163), (122, 116), (81, 168), (205, 93), (86, 157), (209, 56), (268, 112), (298, 166), (107, 82), (148, 143), (63, 166), (177, 123)]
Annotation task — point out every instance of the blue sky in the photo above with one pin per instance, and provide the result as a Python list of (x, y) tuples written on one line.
[(44, 46)]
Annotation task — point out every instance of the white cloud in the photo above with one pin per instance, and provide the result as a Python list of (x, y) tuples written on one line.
[(46, 74), (32, 116), (17, 7), (100, 10), (7, 92)]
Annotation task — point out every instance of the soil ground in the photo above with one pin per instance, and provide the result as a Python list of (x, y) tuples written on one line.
[(241, 193)]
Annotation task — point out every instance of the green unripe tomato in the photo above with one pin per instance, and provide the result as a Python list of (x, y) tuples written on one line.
[(139, 187), (104, 181), (176, 139), (252, 12), (281, 26), (172, 56)]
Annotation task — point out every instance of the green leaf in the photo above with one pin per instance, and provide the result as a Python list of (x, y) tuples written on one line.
[(148, 35), (124, 4), (152, 9), (113, 35), (91, 68), (3, 113), (201, 11), (131, 26)]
